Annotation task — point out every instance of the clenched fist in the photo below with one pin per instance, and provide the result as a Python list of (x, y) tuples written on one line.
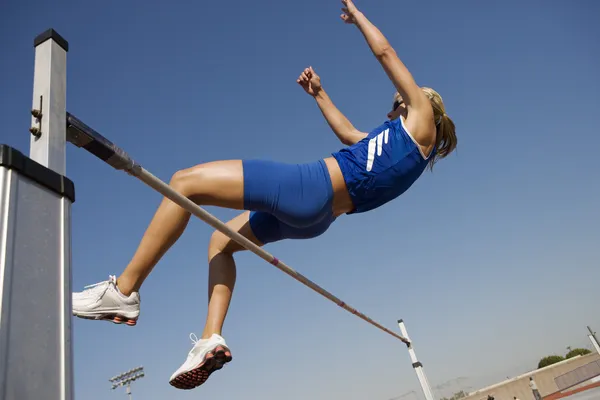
[(310, 81)]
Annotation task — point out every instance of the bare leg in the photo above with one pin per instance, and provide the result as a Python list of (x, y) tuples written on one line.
[(219, 183), (222, 272), (212, 353)]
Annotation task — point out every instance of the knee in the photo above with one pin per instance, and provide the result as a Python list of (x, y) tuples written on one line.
[(183, 179), (179, 178), (219, 244)]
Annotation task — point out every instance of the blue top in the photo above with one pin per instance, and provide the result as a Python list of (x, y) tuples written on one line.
[(381, 166)]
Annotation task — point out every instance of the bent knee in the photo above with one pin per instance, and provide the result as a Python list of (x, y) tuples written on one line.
[(222, 244), (183, 179), (218, 242)]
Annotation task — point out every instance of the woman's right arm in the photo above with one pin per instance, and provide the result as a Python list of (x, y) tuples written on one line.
[(339, 124)]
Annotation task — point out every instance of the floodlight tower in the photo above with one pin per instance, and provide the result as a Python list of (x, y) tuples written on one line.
[(126, 378)]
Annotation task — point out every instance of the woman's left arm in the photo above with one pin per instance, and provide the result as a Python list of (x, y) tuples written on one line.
[(400, 76)]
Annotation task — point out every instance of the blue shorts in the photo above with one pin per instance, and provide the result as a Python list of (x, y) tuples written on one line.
[(287, 201)]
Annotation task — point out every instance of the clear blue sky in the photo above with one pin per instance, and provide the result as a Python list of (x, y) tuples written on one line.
[(491, 259)]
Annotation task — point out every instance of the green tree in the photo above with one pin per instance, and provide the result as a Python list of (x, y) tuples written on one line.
[(549, 360), (576, 352), (456, 396)]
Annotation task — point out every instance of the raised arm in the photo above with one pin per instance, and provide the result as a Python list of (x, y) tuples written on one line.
[(339, 124), (400, 76)]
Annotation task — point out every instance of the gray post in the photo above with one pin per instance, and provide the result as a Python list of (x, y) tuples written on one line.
[(418, 367), (35, 244), (48, 127)]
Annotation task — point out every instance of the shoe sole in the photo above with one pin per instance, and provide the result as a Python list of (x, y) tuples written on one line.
[(213, 361), (114, 318)]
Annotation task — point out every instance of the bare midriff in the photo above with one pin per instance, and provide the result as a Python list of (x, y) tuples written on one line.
[(342, 202)]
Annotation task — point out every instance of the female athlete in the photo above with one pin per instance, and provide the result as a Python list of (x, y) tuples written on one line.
[(297, 201)]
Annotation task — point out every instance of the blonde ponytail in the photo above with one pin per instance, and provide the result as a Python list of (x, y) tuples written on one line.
[(446, 140)]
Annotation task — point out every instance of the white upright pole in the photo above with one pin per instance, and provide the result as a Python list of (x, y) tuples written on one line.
[(49, 105), (595, 343), (594, 340), (418, 367)]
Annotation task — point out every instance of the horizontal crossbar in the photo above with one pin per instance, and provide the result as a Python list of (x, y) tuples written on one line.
[(83, 136)]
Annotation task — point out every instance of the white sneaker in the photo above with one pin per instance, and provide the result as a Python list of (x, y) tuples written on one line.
[(104, 301), (207, 356)]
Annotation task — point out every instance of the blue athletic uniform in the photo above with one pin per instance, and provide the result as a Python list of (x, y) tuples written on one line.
[(294, 201)]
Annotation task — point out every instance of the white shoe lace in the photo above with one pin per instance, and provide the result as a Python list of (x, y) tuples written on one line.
[(99, 288), (195, 342), (194, 338)]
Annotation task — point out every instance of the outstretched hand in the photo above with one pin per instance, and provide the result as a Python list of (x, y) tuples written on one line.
[(310, 81), (349, 12)]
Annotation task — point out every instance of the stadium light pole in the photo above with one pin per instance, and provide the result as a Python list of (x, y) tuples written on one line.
[(126, 378)]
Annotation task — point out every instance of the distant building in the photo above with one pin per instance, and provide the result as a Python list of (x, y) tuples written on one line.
[(552, 382)]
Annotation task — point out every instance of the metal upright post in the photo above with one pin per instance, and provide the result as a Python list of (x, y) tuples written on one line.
[(35, 243), (49, 107), (418, 367), (594, 340)]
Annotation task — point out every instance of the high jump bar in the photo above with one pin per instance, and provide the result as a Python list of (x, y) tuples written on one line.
[(81, 135)]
